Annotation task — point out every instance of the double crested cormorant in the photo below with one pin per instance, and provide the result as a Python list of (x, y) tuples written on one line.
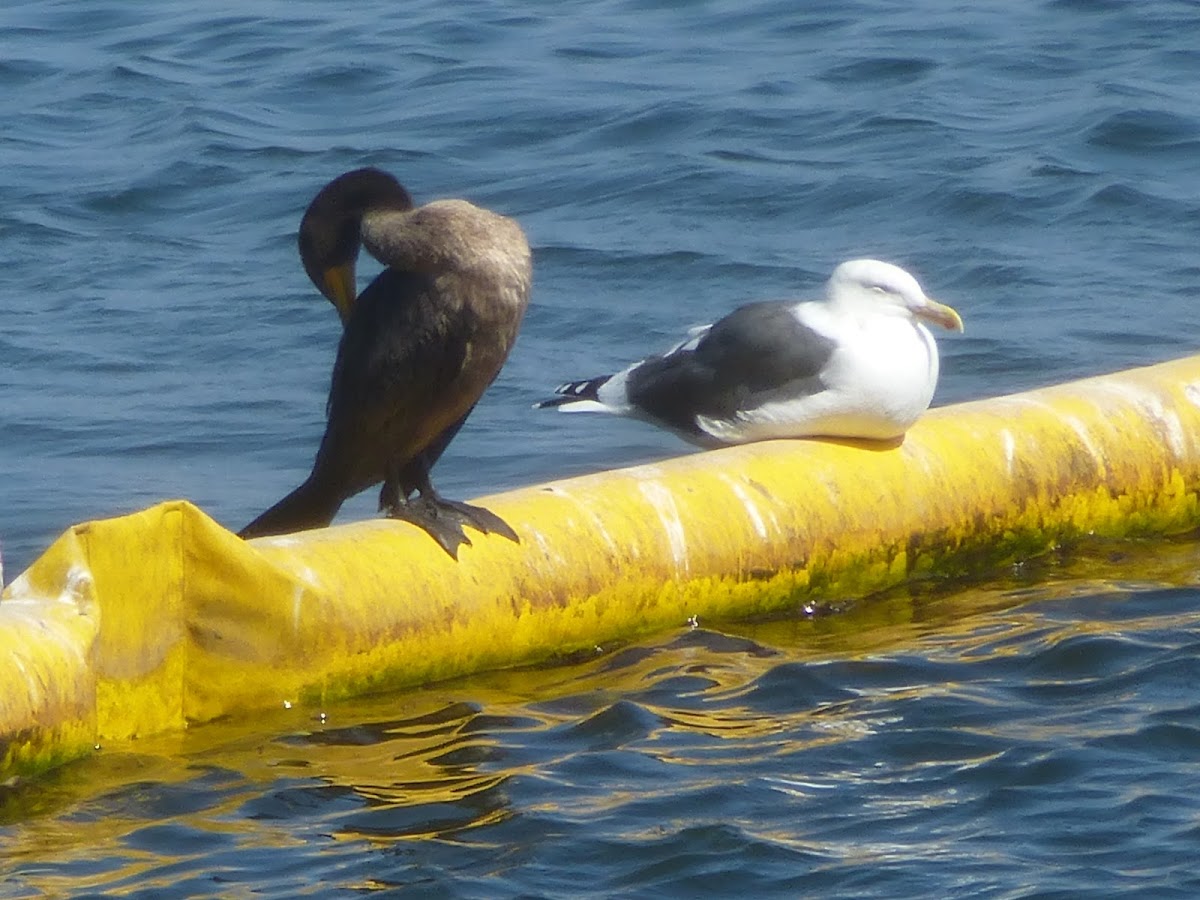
[(858, 363), (419, 347)]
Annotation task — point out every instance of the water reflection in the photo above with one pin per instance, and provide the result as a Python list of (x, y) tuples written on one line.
[(825, 740)]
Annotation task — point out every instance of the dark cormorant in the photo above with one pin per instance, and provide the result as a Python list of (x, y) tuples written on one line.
[(419, 347)]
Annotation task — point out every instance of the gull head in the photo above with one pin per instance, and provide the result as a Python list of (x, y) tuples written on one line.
[(872, 286)]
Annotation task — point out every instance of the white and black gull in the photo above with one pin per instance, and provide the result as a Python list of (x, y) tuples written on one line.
[(858, 363)]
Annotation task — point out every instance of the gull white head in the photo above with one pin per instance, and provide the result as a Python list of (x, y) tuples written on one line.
[(869, 284)]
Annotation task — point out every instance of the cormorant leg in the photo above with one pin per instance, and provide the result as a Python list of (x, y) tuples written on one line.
[(425, 514), (416, 477)]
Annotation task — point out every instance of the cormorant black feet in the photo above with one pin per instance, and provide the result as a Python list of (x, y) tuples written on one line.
[(482, 520), (444, 520)]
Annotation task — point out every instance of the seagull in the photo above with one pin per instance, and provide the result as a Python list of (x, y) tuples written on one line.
[(858, 363)]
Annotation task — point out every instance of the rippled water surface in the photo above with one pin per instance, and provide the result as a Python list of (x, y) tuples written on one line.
[(1037, 164), (1033, 736)]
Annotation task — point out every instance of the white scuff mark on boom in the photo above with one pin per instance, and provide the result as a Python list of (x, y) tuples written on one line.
[(1010, 450), (588, 510), (664, 505), (1085, 437), (756, 519), (297, 606), (1149, 403)]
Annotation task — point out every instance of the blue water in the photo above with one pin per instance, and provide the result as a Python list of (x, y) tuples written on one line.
[(1036, 164)]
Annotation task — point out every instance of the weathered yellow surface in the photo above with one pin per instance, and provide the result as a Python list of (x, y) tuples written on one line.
[(142, 624)]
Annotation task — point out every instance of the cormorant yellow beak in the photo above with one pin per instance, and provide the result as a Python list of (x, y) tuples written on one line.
[(340, 288)]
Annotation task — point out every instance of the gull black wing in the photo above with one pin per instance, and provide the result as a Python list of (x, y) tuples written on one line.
[(758, 352)]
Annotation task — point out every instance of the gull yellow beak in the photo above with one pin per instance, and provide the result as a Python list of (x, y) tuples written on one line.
[(939, 314), (340, 288)]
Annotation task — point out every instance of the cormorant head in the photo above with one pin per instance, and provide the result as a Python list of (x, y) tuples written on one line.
[(329, 231)]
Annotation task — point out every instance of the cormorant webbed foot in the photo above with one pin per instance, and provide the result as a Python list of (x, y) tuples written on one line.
[(482, 520), (445, 520), (447, 530)]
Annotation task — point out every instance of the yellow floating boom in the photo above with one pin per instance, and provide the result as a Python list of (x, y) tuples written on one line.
[(145, 623)]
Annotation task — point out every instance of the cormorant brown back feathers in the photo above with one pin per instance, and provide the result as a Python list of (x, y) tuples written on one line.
[(419, 347)]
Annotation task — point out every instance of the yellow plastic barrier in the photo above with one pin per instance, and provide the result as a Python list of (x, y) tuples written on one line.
[(145, 623)]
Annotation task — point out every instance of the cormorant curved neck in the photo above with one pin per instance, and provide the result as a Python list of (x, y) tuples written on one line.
[(330, 230), (419, 347)]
